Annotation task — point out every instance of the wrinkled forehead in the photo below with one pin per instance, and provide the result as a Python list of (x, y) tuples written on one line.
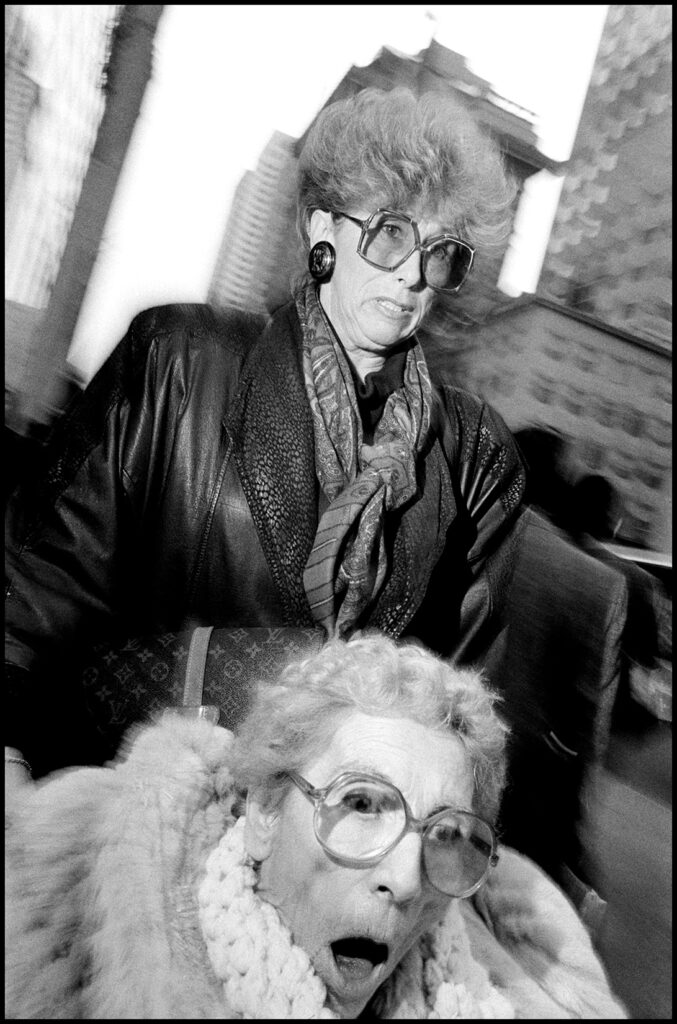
[(430, 767)]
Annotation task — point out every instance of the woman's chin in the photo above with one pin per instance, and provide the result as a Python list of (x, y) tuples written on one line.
[(390, 332)]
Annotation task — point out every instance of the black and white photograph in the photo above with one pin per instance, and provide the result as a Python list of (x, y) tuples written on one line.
[(338, 511)]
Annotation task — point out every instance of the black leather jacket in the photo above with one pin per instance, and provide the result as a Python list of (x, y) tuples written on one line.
[(180, 490)]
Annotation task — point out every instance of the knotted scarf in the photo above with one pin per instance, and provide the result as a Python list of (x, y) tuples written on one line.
[(348, 564)]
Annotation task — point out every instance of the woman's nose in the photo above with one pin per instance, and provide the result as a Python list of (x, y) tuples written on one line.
[(400, 872), (411, 271)]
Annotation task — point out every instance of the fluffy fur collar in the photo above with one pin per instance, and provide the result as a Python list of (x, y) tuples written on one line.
[(103, 870)]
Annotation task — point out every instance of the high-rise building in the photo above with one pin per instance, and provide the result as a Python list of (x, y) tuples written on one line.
[(55, 61), (610, 251), (54, 100), (590, 354), (255, 253)]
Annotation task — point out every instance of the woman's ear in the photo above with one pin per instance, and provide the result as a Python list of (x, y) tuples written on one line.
[(321, 227), (260, 827)]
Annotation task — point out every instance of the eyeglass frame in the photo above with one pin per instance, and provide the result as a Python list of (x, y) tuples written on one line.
[(317, 795), (418, 247)]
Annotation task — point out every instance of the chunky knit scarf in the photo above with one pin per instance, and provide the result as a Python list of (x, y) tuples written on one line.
[(348, 564), (266, 977)]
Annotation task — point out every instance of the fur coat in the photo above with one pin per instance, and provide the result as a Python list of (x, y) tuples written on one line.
[(103, 866)]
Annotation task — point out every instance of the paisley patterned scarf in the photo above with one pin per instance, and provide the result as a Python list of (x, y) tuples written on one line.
[(348, 565)]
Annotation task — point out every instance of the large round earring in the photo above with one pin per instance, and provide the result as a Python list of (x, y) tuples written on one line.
[(322, 260)]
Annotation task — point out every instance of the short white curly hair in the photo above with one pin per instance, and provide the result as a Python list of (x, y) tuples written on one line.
[(292, 721)]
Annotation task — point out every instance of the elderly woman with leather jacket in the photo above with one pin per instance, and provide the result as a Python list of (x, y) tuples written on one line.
[(306, 471), (335, 859)]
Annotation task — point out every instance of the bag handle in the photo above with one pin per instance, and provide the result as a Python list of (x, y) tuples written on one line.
[(196, 666)]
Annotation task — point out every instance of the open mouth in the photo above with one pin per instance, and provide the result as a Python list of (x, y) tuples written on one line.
[(396, 308), (356, 956)]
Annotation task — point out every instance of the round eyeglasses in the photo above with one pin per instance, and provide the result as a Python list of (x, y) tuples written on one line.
[(359, 818), (388, 239)]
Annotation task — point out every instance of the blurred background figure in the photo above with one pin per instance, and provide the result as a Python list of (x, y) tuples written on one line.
[(596, 517), (617, 807), (559, 674), (549, 478)]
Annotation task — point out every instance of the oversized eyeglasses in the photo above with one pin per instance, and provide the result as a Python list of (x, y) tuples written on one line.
[(359, 818), (388, 239)]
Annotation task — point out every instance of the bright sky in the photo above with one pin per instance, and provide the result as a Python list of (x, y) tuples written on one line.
[(227, 76)]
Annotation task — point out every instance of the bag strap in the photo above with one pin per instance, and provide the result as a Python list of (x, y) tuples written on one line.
[(196, 666)]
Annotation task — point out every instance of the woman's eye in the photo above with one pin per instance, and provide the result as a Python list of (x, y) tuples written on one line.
[(441, 256), (364, 802), (393, 231), (447, 835)]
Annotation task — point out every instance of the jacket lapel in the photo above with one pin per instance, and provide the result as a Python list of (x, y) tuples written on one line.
[(271, 431)]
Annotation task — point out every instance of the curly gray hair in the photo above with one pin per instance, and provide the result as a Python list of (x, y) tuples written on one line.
[(293, 721)]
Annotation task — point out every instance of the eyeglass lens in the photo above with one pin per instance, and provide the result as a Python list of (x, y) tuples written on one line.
[(360, 819), (389, 239), (456, 852)]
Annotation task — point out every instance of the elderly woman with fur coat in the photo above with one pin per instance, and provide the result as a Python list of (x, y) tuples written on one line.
[(336, 858)]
